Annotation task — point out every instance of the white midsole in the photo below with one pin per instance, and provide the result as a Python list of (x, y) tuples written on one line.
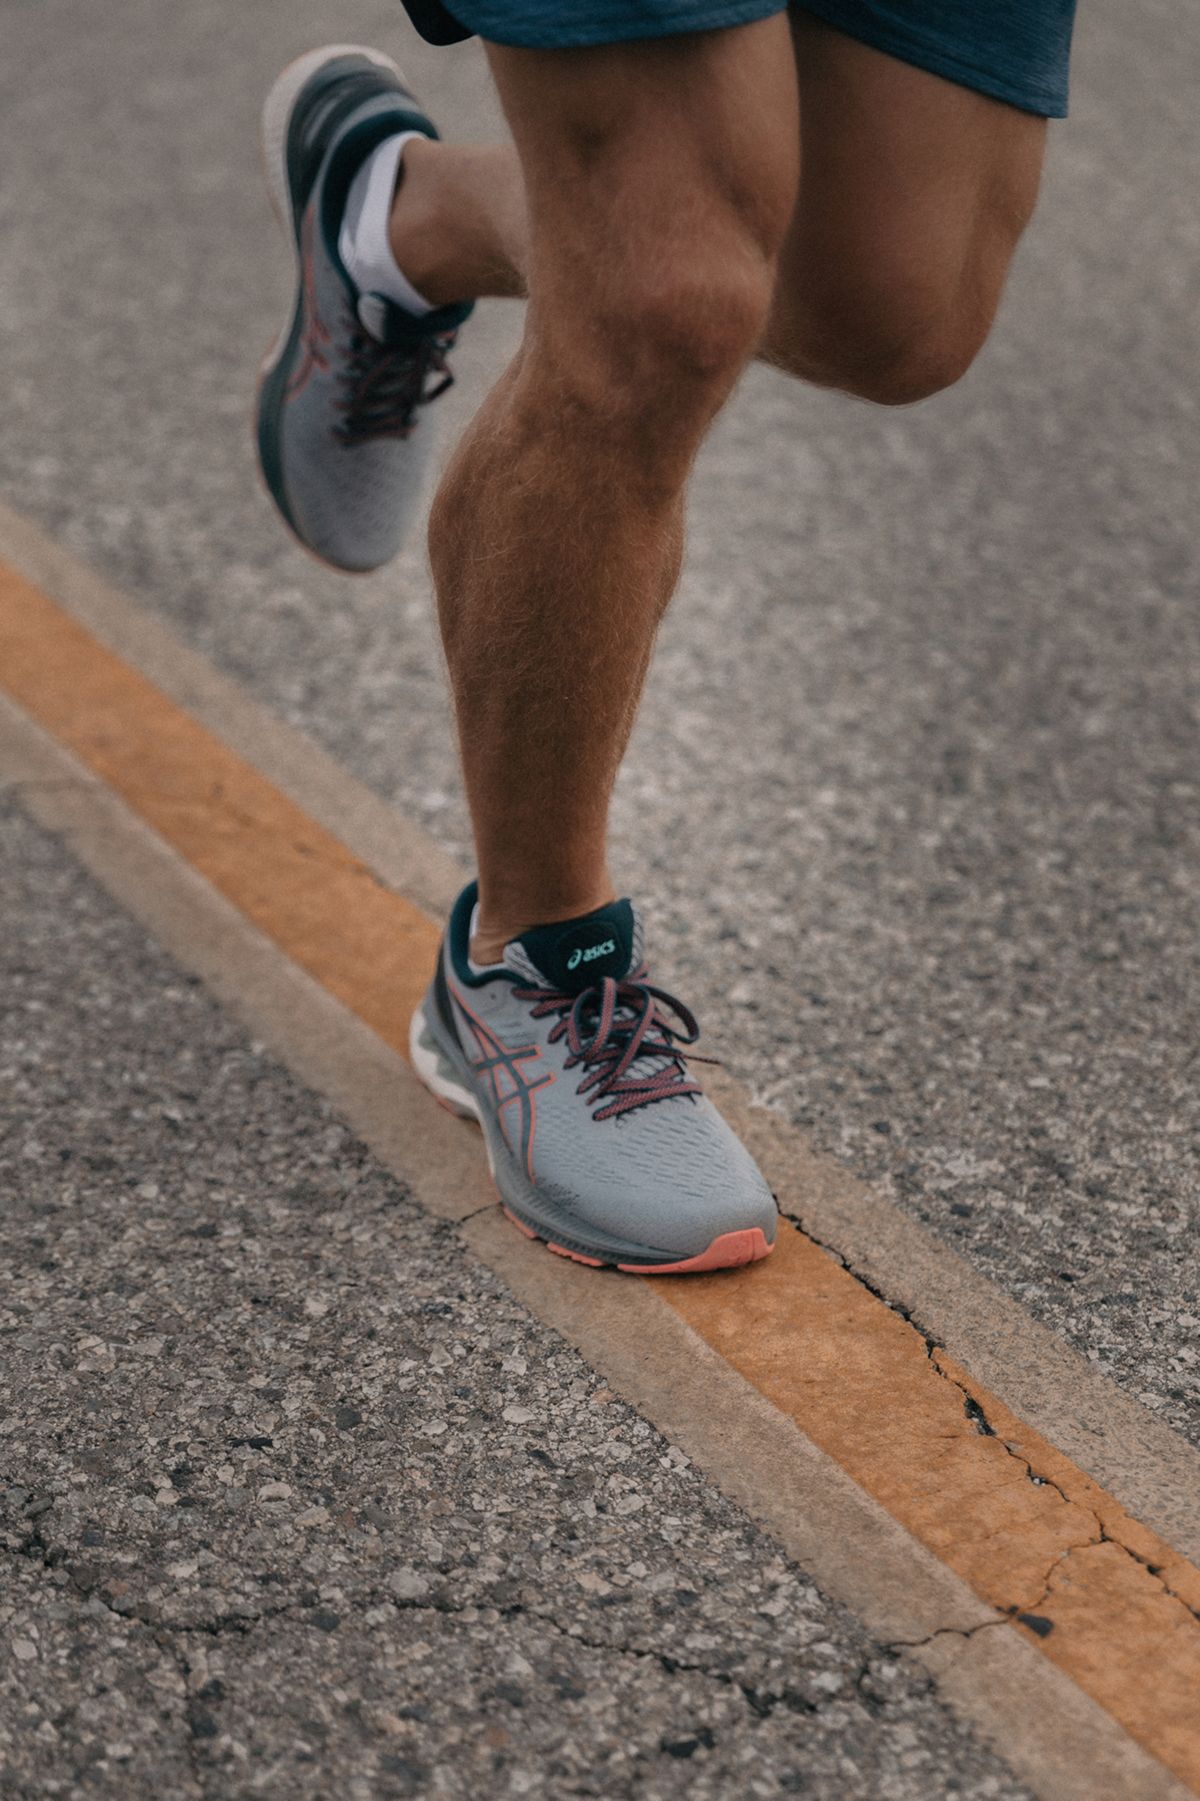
[(431, 1067)]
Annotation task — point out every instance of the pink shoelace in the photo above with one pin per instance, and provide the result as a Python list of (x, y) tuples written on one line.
[(612, 1024), (386, 383)]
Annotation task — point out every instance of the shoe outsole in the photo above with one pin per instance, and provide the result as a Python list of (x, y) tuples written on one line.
[(275, 123), (728, 1250)]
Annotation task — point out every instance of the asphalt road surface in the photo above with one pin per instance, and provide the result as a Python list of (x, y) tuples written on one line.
[(913, 809)]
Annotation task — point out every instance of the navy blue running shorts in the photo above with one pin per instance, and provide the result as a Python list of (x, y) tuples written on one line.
[(1014, 50)]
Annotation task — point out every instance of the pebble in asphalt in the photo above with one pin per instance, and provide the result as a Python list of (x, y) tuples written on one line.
[(929, 680), (297, 1501)]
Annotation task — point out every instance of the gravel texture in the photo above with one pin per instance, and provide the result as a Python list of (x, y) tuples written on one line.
[(930, 677), (296, 1501)]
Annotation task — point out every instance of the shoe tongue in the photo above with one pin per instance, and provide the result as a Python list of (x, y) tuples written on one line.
[(576, 953)]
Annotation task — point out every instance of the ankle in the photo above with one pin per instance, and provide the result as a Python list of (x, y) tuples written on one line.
[(488, 947), (413, 221), (495, 928), (453, 213)]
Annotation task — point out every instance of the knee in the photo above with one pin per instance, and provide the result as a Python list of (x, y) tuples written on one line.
[(654, 266), (913, 362), (643, 366), (655, 323), (689, 324), (893, 342)]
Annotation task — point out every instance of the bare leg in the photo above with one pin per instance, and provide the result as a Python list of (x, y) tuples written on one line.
[(459, 228), (914, 196), (555, 538), (667, 246)]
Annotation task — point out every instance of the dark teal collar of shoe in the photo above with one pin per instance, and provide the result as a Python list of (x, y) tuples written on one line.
[(390, 324), (576, 953)]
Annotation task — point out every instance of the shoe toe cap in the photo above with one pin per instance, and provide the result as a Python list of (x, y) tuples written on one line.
[(681, 1181)]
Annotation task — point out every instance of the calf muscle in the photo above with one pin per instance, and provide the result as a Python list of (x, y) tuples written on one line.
[(556, 536)]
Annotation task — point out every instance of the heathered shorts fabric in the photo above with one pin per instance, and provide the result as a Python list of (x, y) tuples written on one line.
[(1013, 50)]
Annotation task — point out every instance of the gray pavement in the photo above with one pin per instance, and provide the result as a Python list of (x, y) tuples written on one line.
[(296, 1501), (913, 802), (913, 809)]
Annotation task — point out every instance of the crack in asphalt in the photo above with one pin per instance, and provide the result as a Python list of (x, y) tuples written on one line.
[(191, 1744), (484, 1207), (918, 1644), (761, 1702), (977, 1416), (36, 1551), (196, 1722), (1107, 1538), (167, 1634)]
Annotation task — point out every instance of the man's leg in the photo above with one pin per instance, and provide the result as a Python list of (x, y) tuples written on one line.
[(914, 195), (459, 224), (661, 179), (915, 192)]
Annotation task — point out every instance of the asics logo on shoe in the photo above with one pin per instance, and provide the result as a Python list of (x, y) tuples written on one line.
[(600, 1141), (591, 953)]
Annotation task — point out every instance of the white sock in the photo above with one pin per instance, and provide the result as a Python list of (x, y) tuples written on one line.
[(363, 243), (478, 969)]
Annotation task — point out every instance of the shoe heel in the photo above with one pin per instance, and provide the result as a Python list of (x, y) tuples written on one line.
[(277, 114), (437, 1072)]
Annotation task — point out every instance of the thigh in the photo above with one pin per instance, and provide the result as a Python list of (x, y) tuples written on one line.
[(633, 151), (914, 192)]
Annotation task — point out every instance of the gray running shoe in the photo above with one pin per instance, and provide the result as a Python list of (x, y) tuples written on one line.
[(598, 1139), (344, 433)]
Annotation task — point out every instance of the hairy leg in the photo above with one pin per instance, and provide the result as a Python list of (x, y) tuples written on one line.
[(914, 194), (661, 178)]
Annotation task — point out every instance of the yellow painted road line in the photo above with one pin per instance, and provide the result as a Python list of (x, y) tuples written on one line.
[(1153, 1471), (1113, 1606), (366, 944)]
